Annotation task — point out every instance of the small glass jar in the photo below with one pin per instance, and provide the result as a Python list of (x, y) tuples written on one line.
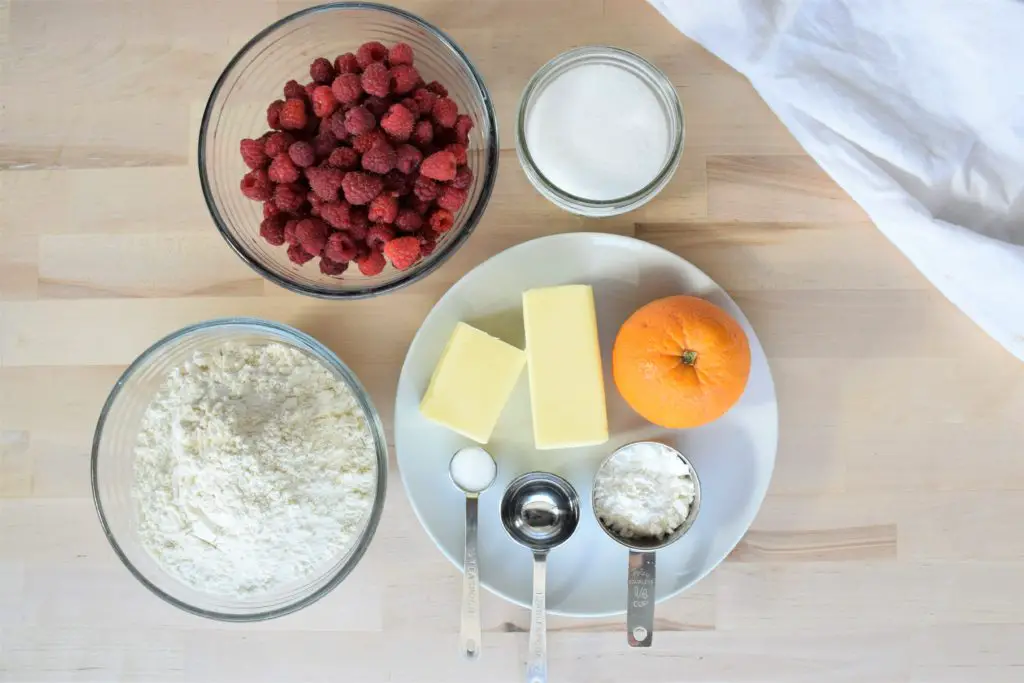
[(663, 91)]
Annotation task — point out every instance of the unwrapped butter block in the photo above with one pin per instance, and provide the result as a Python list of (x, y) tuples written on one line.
[(564, 361), (472, 383)]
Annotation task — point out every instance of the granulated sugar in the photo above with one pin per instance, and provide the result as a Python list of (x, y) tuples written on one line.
[(645, 490), (598, 132), (254, 465)]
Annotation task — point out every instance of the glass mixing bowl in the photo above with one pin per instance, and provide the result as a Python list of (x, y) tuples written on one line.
[(254, 78), (113, 474)]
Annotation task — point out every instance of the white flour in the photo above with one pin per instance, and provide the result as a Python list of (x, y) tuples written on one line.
[(645, 490), (253, 466)]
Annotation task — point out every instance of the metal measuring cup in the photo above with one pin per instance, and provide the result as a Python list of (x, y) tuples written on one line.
[(640, 596)]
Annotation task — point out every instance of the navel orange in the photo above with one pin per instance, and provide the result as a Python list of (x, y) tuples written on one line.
[(681, 362)]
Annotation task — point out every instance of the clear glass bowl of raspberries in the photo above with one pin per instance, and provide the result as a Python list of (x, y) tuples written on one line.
[(348, 150)]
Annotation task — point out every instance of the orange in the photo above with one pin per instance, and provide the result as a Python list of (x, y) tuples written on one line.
[(681, 362)]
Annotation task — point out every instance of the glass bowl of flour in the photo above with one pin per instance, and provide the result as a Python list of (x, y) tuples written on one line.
[(239, 469)]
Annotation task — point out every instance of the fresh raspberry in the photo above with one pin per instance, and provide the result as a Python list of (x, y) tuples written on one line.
[(282, 170), (298, 255), (460, 153), (293, 114), (315, 202), (463, 124), (370, 52), (361, 188), (425, 100), (302, 154), (378, 235), (323, 144), (359, 120), (256, 185), (408, 158), (272, 230), (332, 268), (425, 189), (421, 206), (321, 71), (325, 181), (347, 88), (437, 89), (408, 220), (278, 143), (294, 90), (378, 106), (376, 80), (324, 102), (312, 234), (439, 166), (344, 158), (423, 133), (404, 79), (371, 264), (427, 246), (252, 153), (289, 231), (452, 198), (365, 142), (412, 105), (289, 197), (274, 114), (397, 184), (463, 178), (400, 53), (307, 90), (402, 252), (383, 209), (336, 122), (380, 159), (270, 209), (340, 247), (441, 221), (445, 112), (347, 64), (336, 214), (398, 122), (359, 223)]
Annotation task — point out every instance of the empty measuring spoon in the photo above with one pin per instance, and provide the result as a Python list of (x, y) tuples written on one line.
[(640, 584), (472, 470), (540, 511)]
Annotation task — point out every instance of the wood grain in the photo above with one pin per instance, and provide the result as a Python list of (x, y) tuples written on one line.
[(888, 549)]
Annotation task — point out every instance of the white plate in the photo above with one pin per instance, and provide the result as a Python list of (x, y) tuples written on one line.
[(733, 456)]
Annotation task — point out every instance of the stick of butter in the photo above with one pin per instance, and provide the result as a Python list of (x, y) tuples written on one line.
[(472, 383), (564, 366)]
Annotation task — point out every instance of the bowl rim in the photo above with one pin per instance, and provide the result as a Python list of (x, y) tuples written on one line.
[(374, 422), (441, 255)]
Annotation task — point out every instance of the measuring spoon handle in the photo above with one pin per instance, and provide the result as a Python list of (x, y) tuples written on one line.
[(537, 658), (469, 633), (640, 599)]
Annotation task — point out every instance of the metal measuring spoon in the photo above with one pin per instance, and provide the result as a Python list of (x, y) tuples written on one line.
[(472, 470), (640, 586), (540, 511)]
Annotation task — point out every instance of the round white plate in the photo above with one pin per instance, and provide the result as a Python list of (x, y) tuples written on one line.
[(733, 456)]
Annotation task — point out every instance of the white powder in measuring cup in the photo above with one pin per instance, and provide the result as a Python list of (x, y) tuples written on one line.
[(644, 490), (598, 132), (473, 469)]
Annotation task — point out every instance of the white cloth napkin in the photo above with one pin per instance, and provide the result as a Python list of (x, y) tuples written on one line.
[(916, 108)]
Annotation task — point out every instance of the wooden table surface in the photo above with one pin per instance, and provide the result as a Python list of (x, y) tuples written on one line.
[(890, 545)]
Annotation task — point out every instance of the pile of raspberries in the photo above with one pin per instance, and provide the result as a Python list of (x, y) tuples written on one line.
[(366, 163)]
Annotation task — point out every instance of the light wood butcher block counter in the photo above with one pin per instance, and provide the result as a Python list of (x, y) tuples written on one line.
[(890, 547)]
